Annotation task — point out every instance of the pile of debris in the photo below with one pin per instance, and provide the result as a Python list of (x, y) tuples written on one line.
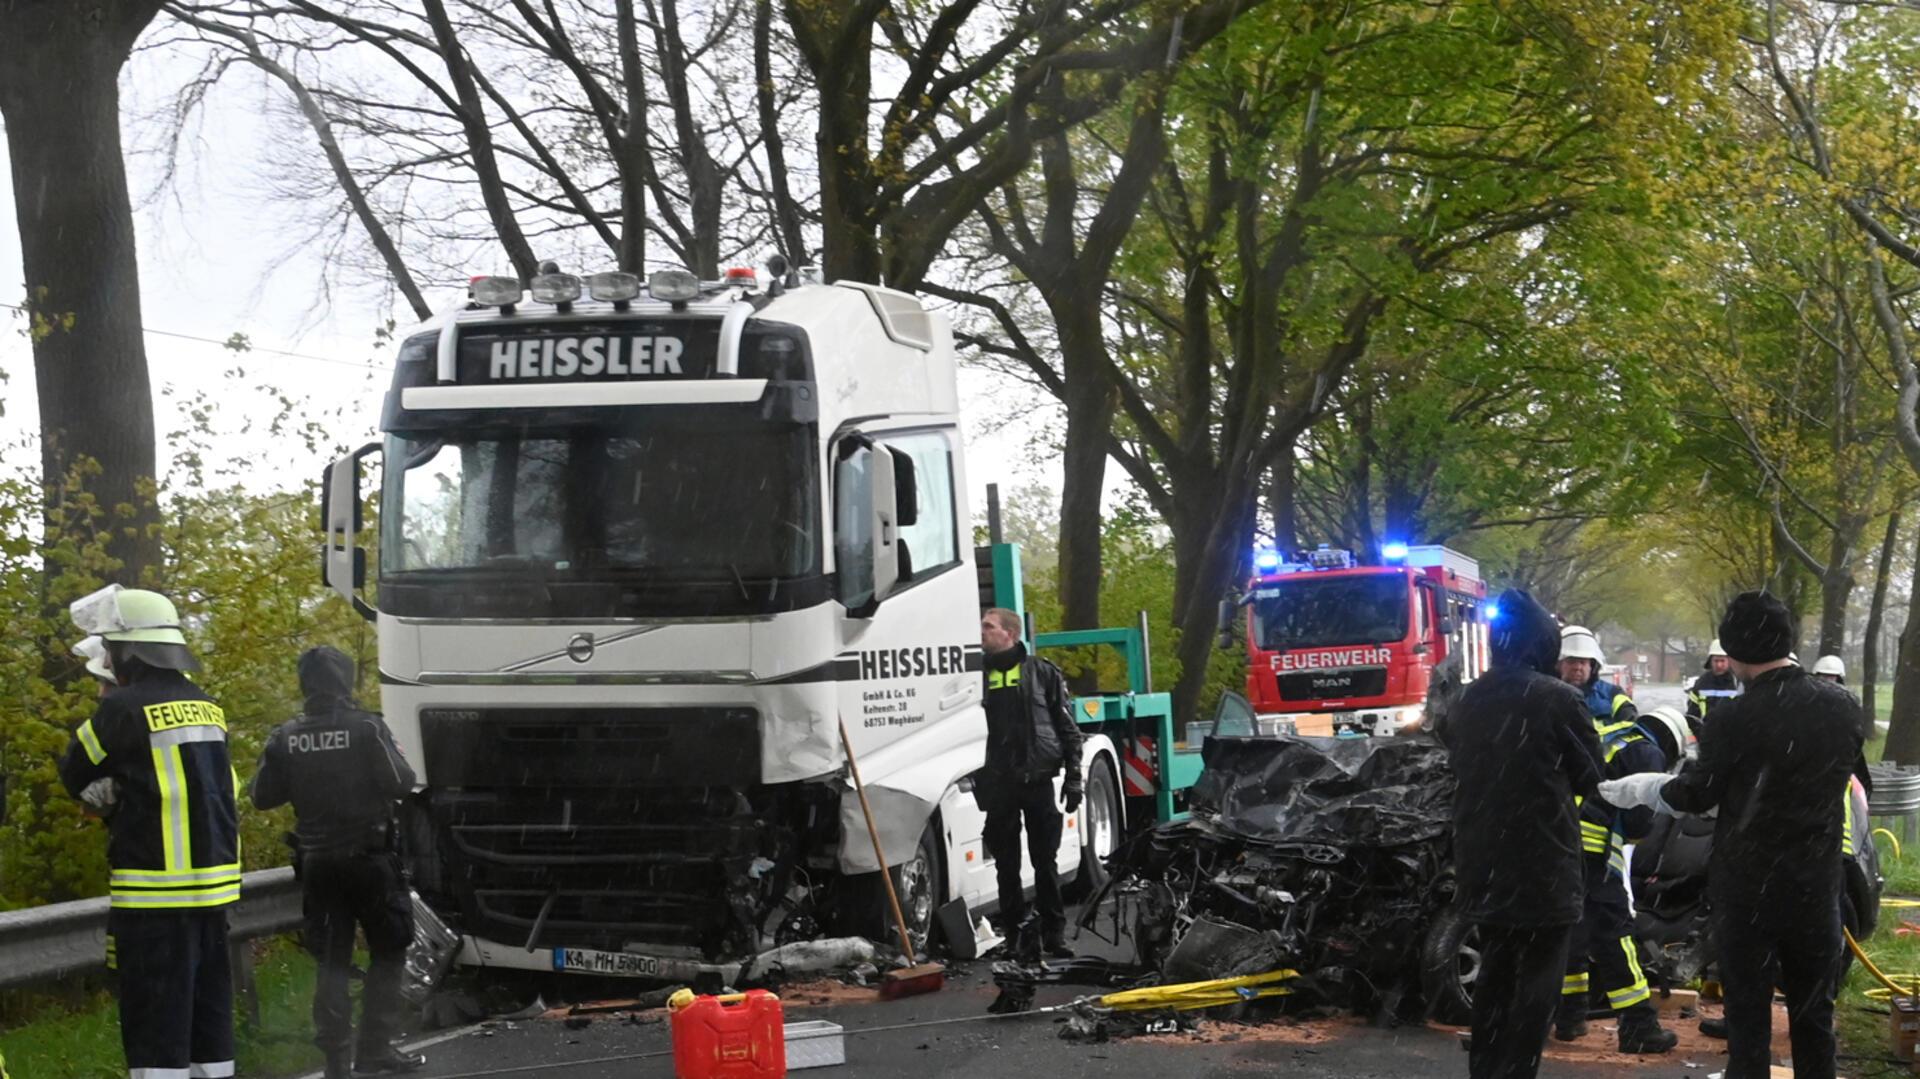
[(1327, 856)]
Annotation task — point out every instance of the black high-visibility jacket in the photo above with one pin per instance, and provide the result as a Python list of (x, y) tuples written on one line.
[(174, 838)]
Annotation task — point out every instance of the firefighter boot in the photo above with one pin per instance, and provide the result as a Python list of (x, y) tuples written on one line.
[(339, 1065), (1641, 1032), (1054, 943), (1570, 1019)]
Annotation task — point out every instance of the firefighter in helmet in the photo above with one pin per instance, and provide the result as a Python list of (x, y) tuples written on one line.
[(1831, 669), (1603, 945), (1711, 689), (153, 759)]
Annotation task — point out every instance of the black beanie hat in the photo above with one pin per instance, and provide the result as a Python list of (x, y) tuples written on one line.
[(1757, 628), (1524, 633)]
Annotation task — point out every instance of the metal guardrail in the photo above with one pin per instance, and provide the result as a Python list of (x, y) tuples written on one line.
[(39, 944)]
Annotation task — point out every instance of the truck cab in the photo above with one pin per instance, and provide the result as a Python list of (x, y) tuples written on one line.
[(645, 554)]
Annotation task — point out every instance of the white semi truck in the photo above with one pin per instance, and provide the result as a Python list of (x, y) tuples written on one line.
[(641, 551)]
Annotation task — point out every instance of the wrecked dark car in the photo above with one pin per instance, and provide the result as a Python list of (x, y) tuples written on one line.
[(1330, 856)]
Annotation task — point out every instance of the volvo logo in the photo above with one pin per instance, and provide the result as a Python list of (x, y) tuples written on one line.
[(580, 649)]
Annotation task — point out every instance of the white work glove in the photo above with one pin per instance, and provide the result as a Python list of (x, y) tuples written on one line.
[(1642, 789), (102, 795)]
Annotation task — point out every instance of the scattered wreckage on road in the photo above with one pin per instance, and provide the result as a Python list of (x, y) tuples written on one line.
[(1327, 856)]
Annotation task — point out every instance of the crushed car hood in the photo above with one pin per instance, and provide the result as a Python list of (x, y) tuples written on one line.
[(1343, 792)]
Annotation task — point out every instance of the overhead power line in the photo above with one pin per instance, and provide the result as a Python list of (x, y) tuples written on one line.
[(251, 348)]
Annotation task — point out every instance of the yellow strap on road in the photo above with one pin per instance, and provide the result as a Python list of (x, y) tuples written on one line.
[(1208, 994)]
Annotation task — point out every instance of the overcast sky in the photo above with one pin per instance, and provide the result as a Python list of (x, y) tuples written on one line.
[(208, 250)]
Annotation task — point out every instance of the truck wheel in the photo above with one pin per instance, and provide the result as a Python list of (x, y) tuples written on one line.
[(862, 908), (1449, 967), (1100, 823)]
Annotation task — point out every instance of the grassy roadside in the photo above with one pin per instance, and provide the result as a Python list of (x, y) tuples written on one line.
[(83, 1042), (1864, 1029)]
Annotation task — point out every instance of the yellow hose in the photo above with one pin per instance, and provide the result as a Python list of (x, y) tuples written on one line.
[(1888, 988), (1891, 838)]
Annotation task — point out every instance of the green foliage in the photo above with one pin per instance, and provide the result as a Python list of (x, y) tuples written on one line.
[(1137, 555), (241, 566)]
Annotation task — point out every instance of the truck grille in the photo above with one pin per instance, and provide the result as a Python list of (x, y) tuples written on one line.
[(1332, 684), (620, 824), (607, 870)]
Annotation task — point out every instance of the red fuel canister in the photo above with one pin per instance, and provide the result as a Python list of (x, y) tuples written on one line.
[(739, 1036)]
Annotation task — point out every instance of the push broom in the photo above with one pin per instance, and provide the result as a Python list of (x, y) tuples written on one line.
[(916, 977)]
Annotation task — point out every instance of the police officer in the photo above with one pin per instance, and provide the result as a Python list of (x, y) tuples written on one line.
[(154, 757), (339, 767), (1712, 689), (1603, 944), (1031, 737), (1776, 763), (1522, 747)]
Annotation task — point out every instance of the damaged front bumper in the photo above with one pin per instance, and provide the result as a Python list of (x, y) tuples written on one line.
[(804, 957)]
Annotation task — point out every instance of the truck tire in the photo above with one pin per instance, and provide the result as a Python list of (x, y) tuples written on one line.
[(1449, 966), (861, 907), (1100, 824)]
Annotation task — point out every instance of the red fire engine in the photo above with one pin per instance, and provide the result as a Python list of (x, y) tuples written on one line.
[(1334, 647)]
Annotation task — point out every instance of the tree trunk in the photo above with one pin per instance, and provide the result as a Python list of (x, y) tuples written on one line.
[(838, 56), (1903, 724), (632, 152), (480, 147), (59, 97), (1836, 590), (1876, 614), (1285, 502), (785, 209), (1089, 408), (1211, 537)]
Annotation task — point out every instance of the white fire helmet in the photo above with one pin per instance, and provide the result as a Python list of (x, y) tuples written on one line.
[(145, 623), (1714, 649), (1832, 665), (1578, 642), (1675, 724), (94, 651)]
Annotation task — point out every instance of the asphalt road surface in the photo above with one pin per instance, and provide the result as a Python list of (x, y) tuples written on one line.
[(626, 1046)]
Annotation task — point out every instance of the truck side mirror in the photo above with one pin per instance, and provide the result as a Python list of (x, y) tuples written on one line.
[(866, 532), (343, 562), (1228, 608)]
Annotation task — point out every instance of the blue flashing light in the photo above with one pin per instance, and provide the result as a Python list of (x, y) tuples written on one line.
[(1393, 552), (1493, 612), (1266, 559)]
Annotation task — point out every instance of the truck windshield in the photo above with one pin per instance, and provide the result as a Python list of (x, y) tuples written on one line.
[(718, 503), (1317, 612)]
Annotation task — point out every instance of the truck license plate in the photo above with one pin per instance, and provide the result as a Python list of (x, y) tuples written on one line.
[(614, 964)]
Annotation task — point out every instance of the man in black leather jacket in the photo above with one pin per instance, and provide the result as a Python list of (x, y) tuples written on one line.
[(1031, 737)]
